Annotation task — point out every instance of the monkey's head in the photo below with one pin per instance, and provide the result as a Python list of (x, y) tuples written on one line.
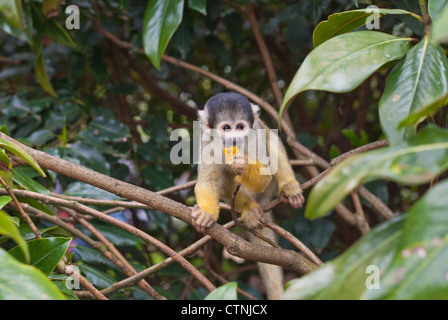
[(231, 115)]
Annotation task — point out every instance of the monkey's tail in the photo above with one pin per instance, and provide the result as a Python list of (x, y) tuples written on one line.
[(272, 275)]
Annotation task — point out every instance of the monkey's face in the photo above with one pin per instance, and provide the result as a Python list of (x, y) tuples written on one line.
[(233, 133)]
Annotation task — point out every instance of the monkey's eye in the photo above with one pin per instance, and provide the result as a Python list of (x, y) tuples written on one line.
[(240, 126), (226, 127)]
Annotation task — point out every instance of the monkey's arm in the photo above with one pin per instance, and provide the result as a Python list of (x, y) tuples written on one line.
[(248, 173), (207, 197)]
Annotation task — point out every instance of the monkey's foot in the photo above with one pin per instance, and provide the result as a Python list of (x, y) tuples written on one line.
[(292, 193), (252, 218), (201, 219)]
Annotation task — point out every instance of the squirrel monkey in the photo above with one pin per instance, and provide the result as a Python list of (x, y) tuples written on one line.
[(233, 121)]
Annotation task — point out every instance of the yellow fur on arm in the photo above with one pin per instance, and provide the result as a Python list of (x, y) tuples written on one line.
[(207, 193), (252, 180)]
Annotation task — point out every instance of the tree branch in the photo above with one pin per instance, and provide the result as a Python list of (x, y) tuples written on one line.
[(234, 244)]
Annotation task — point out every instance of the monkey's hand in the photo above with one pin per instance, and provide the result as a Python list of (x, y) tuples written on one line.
[(239, 164), (202, 219), (292, 193), (251, 217)]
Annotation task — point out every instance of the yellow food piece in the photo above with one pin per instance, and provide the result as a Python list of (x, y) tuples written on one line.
[(229, 153)]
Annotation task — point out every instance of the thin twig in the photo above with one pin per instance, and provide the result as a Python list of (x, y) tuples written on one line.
[(121, 261), (23, 214), (364, 148), (359, 212), (292, 239)]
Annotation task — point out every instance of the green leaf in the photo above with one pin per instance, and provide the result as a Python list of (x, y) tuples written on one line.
[(416, 87), (224, 292), (116, 235), (12, 11), (18, 151), (162, 17), (22, 179), (84, 190), (418, 270), (5, 168), (412, 162), (9, 229), (95, 258), (91, 157), (59, 34), (108, 129), (435, 8), (344, 62), (19, 281), (409, 252), (198, 5), (4, 200), (439, 30), (98, 278), (45, 253), (346, 21), (41, 73), (345, 277)]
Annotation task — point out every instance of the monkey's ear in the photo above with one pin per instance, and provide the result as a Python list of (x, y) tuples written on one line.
[(203, 116), (255, 109)]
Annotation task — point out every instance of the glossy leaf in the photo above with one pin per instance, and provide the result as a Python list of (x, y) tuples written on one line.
[(116, 235), (9, 228), (416, 87), (346, 21), (439, 30), (418, 270), (18, 151), (45, 253), (345, 277), (435, 8), (409, 254), (98, 278), (224, 292), (23, 282), (413, 162), (23, 180), (162, 17), (4, 200), (344, 62)]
